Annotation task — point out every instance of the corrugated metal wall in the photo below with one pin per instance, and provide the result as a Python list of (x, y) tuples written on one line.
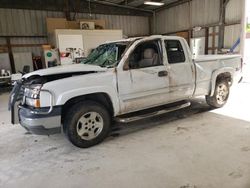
[(175, 19), (232, 34), (37, 51), (233, 14), (205, 12), (18, 22), (25, 22), (234, 11), (202, 12), (33, 22), (131, 25)]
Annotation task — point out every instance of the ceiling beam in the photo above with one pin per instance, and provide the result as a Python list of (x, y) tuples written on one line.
[(143, 6), (96, 7), (122, 6), (126, 2)]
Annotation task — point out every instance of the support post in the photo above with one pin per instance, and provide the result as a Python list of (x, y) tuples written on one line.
[(222, 22), (243, 28), (190, 31), (67, 10), (206, 40), (154, 23), (12, 62)]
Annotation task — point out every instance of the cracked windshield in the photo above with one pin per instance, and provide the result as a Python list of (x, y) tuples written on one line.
[(106, 55)]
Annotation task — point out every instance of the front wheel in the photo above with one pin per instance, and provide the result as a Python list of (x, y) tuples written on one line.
[(220, 96), (87, 124)]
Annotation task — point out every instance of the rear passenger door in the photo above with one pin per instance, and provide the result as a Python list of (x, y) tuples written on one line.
[(181, 71)]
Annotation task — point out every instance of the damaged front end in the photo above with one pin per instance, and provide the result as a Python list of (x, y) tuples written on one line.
[(21, 89), (24, 104), (27, 107), (25, 93)]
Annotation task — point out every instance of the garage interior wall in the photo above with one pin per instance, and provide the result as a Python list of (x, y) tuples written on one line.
[(205, 14), (233, 15), (22, 22)]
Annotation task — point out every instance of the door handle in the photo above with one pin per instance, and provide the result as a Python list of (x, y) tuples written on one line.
[(162, 73)]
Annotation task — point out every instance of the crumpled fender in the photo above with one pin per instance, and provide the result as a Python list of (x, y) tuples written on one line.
[(64, 97)]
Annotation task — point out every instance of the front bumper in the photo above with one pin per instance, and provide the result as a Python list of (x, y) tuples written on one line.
[(46, 120), (42, 124)]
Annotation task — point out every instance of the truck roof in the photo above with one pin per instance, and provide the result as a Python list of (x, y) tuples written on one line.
[(146, 38)]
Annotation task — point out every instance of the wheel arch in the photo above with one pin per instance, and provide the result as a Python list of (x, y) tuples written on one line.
[(221, 74), (101, 98)]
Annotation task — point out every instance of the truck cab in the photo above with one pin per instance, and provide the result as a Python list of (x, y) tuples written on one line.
[(155, 71)]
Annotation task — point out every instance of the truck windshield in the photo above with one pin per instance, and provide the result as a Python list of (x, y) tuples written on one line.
[(106, 55)]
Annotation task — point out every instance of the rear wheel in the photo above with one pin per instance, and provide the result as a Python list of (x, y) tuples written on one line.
[(87, 124), (220, 95)]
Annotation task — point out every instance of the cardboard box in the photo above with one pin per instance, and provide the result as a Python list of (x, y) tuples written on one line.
[(62, 23), (46, 47), (99, 24), (72, 25), (56, 23), (87, 25)]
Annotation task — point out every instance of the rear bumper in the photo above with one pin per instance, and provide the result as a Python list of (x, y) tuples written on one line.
[(39, 123), (238, 77)]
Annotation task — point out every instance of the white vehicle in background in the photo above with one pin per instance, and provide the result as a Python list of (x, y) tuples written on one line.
[(123, 80)]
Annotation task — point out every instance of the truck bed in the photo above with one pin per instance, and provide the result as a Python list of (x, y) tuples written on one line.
[(201, 58), (206, 65)]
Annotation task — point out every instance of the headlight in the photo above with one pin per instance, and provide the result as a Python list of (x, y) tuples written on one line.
[(32, 102), (32, 95), (33, 91)]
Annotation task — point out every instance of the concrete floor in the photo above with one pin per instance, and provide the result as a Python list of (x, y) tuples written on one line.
[(191, 148)]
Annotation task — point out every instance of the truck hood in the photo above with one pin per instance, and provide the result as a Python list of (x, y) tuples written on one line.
[(75, 68)]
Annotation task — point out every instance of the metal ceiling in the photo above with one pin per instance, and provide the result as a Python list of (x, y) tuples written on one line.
[(115, 7), (138, 3)]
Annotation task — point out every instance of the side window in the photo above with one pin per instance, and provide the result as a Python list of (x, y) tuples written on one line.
[(174, 51), (146, 54)]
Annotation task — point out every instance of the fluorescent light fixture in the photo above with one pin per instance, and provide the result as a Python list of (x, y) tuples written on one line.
[(153, 3)]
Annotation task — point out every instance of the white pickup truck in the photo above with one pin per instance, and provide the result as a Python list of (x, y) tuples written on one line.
[(123, 80)]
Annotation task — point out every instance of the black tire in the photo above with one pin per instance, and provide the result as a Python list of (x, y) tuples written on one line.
[(218, 100), (72, 123)]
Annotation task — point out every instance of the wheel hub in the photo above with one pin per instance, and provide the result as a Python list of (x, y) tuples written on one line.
[(222, 93), (89, 125)]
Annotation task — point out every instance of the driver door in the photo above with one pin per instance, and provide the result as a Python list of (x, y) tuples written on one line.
[(143, 83)]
